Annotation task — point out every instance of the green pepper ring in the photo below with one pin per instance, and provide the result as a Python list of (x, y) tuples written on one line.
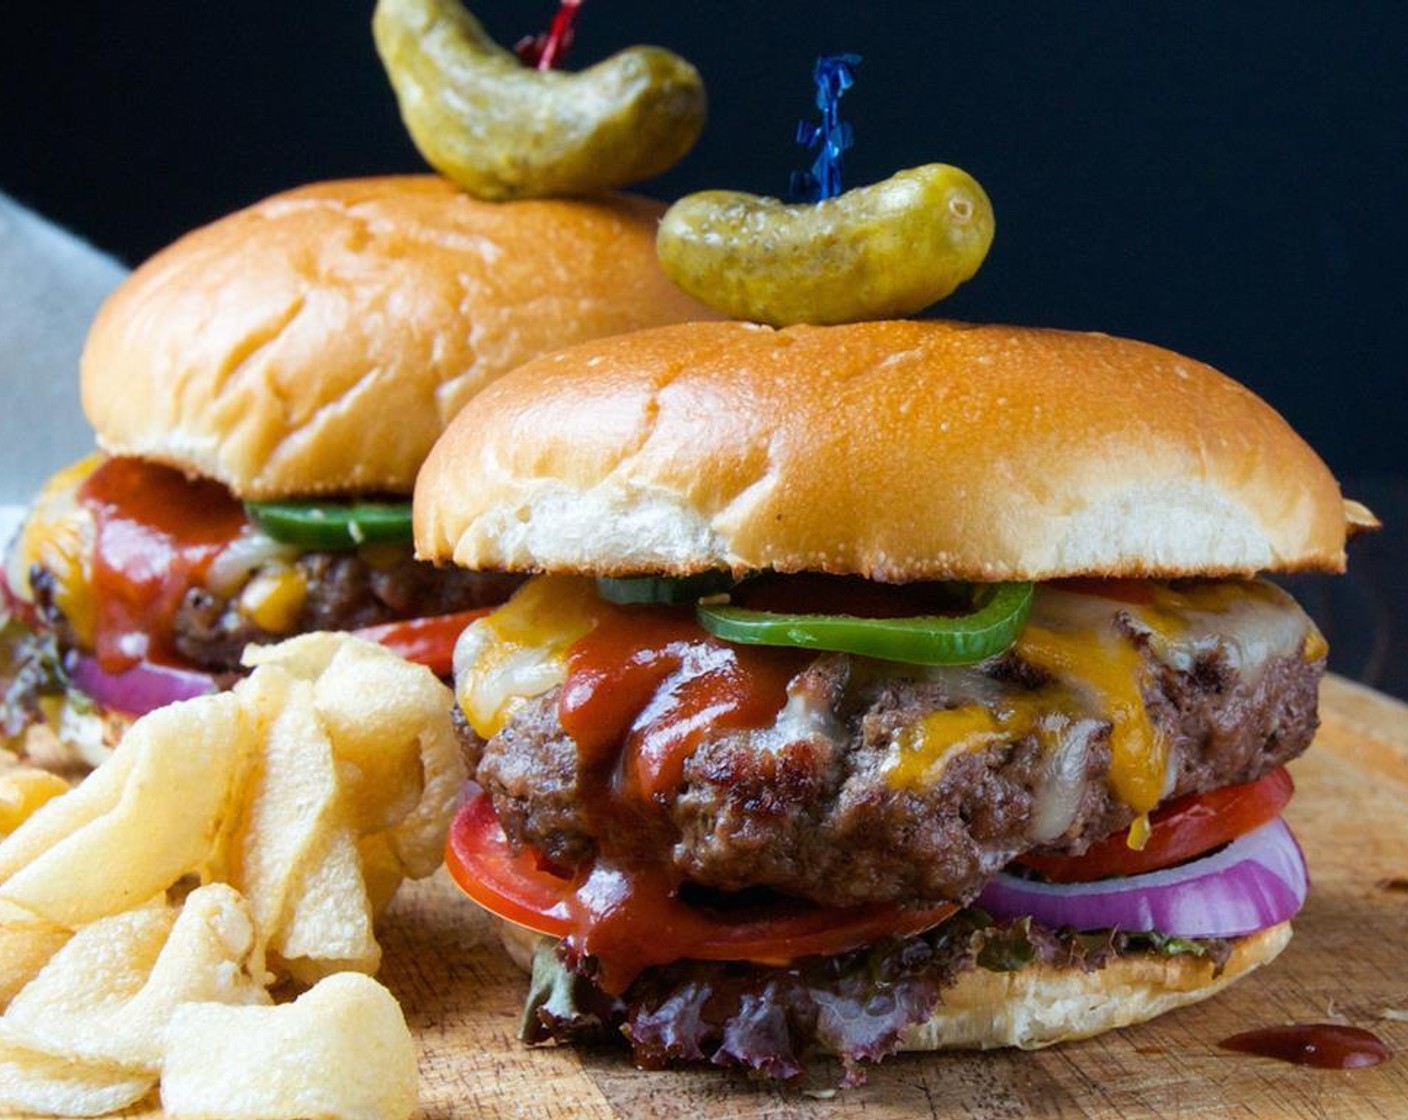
[(1000, 611), (662, 589), (332, 525)]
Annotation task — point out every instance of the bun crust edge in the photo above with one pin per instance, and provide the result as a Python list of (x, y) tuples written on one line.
[(319, 341), (892, 450)]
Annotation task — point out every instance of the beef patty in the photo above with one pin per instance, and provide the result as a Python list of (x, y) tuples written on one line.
[(811, 808), (344, 592)]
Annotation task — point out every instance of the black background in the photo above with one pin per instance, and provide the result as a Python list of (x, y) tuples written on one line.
[(1226, 179), (1229, 180)]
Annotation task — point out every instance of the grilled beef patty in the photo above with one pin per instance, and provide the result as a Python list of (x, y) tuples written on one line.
[(810, 806), (344, 592)]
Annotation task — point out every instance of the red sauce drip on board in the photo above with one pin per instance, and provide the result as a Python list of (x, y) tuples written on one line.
[(1323, 1045), (157, 533)]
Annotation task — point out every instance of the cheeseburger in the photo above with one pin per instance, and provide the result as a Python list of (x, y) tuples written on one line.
[(263, 392), (894, 686)]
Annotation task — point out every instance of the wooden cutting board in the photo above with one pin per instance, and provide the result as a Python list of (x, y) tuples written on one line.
[(1348, 963)]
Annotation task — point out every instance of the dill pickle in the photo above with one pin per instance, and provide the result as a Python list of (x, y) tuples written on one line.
[(877, 252), (503, 130)]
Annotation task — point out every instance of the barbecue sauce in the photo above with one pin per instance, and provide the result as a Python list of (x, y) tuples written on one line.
[(157, 533), (644, 689), (647, 685), (1322, 1045)]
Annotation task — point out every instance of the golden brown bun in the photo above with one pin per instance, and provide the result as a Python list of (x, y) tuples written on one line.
[(1041, 1004), (894, 450), (321, 340)]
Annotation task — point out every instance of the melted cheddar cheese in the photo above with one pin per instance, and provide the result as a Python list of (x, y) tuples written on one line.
[(520, 651), (57, 535), (1104, 670)]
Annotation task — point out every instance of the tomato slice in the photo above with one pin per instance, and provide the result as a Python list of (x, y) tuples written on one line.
[(426, 641), (511, 884), (516, 886), (1184, 828)]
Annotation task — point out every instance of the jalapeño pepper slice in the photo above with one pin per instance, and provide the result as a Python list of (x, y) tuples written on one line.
[(661, 589), (333, 525), (998, 615)]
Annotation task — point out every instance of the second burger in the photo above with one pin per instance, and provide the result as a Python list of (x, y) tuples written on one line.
[(264, 391)]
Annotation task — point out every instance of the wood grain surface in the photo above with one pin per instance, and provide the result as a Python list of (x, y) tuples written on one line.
[(1347, 963)]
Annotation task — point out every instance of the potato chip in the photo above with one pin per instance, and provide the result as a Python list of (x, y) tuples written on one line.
[(419, 838), (340, 1050), (382, 871), (27, 942), (98, 968), (66, 1008), (391, 720), (329, 927), (398, 766), (58, 819), (33, 1082), (101, 1007), (299, 801), (24, 789), (306, 656), (292, 798), (377, 709), (175, 774)]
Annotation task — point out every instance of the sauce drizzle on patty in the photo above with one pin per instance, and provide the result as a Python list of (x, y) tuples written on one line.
[(157, 534)]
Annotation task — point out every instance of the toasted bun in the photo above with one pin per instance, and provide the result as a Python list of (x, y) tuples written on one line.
[(893, 450), (1041, 1004), (321, 340)]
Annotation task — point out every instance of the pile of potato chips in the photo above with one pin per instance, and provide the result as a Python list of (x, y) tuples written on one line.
[(230, 842)]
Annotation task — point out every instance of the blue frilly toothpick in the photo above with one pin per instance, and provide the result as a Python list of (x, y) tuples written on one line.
[(833, 74)]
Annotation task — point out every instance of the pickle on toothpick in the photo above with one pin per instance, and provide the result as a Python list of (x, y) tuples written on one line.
[(883, 251), (503, 130)]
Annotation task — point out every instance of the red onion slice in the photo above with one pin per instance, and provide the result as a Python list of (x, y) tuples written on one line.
[(1257, 881), (141, 689)]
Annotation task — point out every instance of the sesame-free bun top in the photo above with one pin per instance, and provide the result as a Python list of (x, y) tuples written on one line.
[(319, 341), (893, 450)]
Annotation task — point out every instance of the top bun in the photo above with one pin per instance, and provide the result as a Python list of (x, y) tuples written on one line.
[(321, 340), (892, 450)]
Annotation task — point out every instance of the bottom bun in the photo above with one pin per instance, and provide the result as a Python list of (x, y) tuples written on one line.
[(1041, 1005)]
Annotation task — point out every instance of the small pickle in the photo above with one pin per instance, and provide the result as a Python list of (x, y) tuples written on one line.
[(503, 130), (877, 252)]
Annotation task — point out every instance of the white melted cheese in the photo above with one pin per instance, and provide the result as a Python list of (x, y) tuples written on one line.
[(520, 651), (804, 718)]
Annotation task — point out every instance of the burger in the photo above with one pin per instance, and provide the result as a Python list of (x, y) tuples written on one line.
[(263, 393), (889, 686)]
